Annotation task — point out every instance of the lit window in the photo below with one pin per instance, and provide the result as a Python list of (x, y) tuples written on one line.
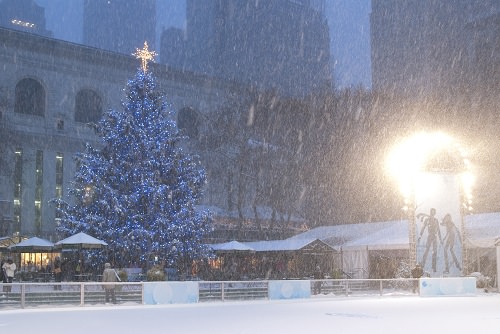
[(23, 23)]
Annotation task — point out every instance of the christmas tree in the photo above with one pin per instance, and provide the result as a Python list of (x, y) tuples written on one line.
[(138, 190)]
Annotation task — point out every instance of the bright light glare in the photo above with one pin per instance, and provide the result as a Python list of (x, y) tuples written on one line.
[(417, 154), (467, 184)]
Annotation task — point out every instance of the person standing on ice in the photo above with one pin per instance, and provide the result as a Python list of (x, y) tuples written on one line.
[(433, 233), (109, 275), (9, 269)]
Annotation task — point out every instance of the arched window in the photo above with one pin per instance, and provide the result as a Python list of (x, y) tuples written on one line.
[(187, 122), (30, 97), (88, 106)]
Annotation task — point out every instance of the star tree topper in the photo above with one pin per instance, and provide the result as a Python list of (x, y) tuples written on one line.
[(145, 55)]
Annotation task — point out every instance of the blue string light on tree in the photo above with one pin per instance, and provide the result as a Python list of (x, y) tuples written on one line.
[(138, 189)]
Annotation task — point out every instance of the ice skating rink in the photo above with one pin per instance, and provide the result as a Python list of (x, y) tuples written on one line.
[(409, 314)]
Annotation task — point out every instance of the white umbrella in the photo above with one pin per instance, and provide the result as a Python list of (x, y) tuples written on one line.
[(81, 240), (32, 245)]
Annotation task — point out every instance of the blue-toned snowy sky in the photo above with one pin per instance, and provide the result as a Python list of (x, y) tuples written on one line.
[(348, 20)]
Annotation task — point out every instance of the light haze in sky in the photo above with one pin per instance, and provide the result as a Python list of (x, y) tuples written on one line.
[(348, 21)]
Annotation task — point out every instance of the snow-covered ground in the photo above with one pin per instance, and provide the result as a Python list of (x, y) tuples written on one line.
[(479, 314)]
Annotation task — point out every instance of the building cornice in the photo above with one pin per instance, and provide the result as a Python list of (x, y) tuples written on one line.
[(93, 57)]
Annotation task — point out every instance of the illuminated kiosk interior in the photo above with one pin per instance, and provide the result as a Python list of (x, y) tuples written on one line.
[(435, 179)]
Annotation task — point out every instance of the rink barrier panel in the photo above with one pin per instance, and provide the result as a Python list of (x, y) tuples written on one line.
[(451, 286), (67, 294)]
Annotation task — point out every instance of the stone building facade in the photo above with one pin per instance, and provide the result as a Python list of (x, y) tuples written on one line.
[(50, 91)]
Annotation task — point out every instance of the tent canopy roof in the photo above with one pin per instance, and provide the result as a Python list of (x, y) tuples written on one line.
[(231, 246), (81, 240), (483, 230), (274, 245), (32, 244)]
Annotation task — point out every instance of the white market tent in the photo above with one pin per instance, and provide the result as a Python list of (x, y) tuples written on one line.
[(33, 244), (390, 236), (273, 257), (272, 245), (355, 241), (81, 240), (482, 230)]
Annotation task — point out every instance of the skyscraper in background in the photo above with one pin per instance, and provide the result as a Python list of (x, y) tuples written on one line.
[(119, 25), (347, 20), (282, 45), (24, 15), (433, 47)]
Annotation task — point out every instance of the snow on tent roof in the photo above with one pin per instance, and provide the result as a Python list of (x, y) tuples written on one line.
[(283, 245), (231, 246), (33, 243), (339, 235), (81, 240), (271, 245), (393, 235), (483, 229)]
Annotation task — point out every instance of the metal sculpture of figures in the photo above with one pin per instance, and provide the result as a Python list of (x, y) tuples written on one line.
[(449, 242), (431, 223)]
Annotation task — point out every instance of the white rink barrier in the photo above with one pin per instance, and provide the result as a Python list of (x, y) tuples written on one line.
[(449, 286), (289, 289), (64, 294), (170, 292)]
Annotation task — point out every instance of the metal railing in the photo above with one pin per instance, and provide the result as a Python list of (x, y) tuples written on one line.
[(362, 287), (30, 295), (232, 290), (66, 294)]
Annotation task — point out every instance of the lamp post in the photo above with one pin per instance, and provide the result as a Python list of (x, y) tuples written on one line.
[(409, 209)]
